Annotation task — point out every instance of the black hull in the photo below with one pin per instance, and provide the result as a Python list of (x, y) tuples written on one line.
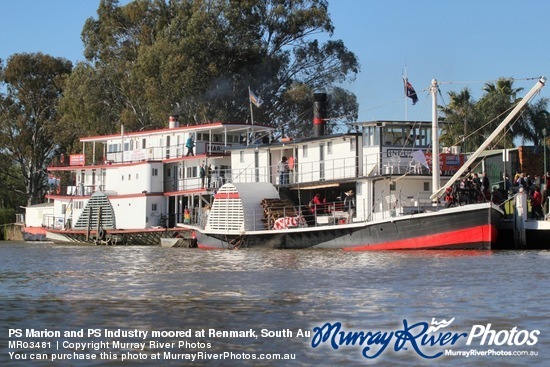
[(468, 227)]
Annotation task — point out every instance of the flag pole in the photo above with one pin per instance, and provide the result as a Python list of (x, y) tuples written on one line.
[(250, 102), (405, 87)]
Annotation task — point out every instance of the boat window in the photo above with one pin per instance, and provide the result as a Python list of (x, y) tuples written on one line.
[(404, 136), (329, 147), (394, 135), (352, 144), (113, 148), (366, 136), (155, 171), (241, 156), (304, 151), (427, 186), (191, 172), (371, 136)]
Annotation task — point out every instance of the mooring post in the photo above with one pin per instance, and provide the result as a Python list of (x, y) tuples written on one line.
[(520, 217)]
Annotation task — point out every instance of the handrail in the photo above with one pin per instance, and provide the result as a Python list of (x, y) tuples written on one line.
[(330, 170)]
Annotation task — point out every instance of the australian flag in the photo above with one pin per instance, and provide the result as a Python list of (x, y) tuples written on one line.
[(257, 101), (410, 92)]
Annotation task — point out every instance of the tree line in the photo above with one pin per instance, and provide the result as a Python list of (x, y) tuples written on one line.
[(197, 58), (470, 121)]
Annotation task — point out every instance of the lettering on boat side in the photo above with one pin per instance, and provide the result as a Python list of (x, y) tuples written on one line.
[(426, 340)]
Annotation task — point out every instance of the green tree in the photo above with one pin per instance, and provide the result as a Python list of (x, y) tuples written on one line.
[(31, 133), (462, 121), (535, 118), (476, 120), (197, 58), (499, 99)]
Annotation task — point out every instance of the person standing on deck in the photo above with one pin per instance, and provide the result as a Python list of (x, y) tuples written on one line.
[(349, 204), (202, 175), (314, 206), (209, 175), (190, 145), (485, 185), (283, 170)]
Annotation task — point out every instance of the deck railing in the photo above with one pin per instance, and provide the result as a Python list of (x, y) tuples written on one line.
[(335, 170)]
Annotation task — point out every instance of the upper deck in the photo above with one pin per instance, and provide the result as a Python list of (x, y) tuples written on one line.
[(157, 161)]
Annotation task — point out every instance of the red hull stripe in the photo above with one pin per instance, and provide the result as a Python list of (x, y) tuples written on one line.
[(485, 233), (209, 247), (227, 196)]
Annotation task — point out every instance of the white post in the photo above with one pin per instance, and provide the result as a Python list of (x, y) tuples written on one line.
[(435, 139), (520, 217)]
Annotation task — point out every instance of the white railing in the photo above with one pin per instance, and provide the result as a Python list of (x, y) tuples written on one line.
[(329, 170), (337, 169)]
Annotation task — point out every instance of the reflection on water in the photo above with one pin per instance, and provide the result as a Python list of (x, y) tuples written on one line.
[(70, 287)]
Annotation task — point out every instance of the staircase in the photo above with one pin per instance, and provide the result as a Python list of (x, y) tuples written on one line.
[(98, 213)]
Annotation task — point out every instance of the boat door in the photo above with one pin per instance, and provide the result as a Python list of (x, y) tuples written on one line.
[(321, 161), (172, 215)]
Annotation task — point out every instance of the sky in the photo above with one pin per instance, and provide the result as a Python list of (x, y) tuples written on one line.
[(461, 44)]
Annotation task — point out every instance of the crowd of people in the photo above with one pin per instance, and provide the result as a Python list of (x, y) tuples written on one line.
[(472, 189), (533, 186), (475, 189)]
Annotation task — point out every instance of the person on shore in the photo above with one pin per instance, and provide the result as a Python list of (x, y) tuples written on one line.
[(190, 145), (546, 192), (536, 204), (283, 170)]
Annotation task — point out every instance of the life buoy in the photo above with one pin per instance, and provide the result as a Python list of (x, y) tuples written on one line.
[(58, 189), (101, 234), (62, 158)]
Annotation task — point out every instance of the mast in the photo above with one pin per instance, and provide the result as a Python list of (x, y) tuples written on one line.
[(536, 88), (435, 139)]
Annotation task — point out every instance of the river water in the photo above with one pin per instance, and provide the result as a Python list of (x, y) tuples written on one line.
[(104, 292)]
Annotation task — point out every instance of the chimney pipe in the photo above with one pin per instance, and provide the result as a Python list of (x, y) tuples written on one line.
[(319, 113), (173, 121)]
